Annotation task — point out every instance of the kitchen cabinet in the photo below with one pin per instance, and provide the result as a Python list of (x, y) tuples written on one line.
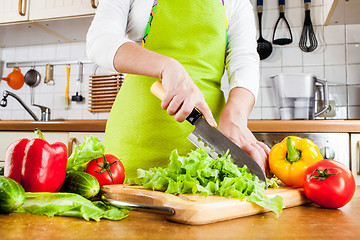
[(8, 137), (355, 156), (14, 11), (49, 9), (341, 12)]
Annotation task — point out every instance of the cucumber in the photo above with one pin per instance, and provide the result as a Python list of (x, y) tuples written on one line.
[(12, 195), (81, 183)]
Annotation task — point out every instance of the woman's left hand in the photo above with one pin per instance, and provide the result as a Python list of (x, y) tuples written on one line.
[(233, 124)]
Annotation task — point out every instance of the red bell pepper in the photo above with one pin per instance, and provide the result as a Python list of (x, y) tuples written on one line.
[(37, 165)]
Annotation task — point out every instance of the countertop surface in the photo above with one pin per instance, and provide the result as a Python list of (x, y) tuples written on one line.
[(254, 125), (303, 222)]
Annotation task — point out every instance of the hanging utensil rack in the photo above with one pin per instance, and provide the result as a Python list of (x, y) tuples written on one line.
[(43, 63)]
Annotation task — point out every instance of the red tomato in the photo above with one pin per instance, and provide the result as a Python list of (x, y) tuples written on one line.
[(107, 170), (329, 184)]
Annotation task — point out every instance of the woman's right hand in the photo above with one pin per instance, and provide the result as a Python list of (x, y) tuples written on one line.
[(181, 93)]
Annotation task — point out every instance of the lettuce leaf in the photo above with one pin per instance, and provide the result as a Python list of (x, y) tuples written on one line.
[(71, 205), (90, 149), (199, 173)]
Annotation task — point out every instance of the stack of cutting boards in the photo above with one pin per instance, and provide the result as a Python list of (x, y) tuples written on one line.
[(197, 209)]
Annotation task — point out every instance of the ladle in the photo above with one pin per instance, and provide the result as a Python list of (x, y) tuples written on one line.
[(264, 47)]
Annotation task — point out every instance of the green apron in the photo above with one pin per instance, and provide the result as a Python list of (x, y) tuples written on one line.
[(139, 132)]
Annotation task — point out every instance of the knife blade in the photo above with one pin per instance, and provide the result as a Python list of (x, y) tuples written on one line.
[(213, 141)]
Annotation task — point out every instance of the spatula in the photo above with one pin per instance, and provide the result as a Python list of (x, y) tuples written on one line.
[(213, 141)]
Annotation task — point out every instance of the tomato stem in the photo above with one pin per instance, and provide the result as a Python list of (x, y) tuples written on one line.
[(293, 154), (322, 175), (106, 167)]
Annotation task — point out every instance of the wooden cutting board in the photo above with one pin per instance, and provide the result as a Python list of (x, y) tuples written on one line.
[(197, 209)]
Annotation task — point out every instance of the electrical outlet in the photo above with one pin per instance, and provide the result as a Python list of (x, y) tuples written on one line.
[(330, 112)]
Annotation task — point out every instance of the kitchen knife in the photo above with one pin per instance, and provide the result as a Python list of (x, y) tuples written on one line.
[(213, 141)]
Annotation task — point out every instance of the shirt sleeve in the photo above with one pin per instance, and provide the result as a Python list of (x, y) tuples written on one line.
[(242, 61), (107, 32)]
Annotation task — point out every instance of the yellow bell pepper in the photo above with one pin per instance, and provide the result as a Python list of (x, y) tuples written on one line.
[(289, 159)]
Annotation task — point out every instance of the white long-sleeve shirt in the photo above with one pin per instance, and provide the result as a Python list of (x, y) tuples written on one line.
[(119, 21)]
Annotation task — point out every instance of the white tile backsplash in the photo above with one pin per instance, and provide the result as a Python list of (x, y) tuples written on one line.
[(353, 53), (353, 74), (334, 34), (336, 59), (353, 33)]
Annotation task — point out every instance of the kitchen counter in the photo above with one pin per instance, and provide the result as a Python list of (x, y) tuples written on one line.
[(254, 125), (303, 222)]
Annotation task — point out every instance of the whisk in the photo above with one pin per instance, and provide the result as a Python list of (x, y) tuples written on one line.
[(308, 42)]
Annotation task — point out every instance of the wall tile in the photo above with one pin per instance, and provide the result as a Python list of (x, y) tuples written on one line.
[(339, 94), (354, 112), (353, 53), (353, 74), (353, 33), (318, 71), (274, 60), (292, 69), (335, 74), (268, 97), (266, 73), (255, 113), (354, 95), (291, 56), (270, 113), (313, 58), (334, 34), (335, 54)]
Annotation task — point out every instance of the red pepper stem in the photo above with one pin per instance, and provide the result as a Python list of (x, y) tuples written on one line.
[(39, 133), (293, 154)]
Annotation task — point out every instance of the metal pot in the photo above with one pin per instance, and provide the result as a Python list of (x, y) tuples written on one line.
[(32, 78)]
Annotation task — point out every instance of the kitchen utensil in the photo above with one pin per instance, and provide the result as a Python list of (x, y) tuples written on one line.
[(295, 95), (67, 98), (213, 141), (308, 42), (15, 79), (32, 77), (264, 48), (282, 41), (195, 209), (49, 74), (77, 97)]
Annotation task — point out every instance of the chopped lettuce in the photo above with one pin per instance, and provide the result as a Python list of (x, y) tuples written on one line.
[(199, 173), (71, 205), (90, 149)]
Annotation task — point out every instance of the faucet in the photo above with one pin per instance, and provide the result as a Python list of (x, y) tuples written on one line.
[(45, 111)]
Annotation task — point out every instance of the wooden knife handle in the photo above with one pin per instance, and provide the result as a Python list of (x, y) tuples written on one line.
[(158, 90)]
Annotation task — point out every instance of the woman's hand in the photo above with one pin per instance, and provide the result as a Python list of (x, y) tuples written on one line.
[(181, 93), (233, 124)]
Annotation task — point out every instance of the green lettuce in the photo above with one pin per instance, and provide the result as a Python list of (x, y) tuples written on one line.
[(90, 149), (71, 205), (199, 173)]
